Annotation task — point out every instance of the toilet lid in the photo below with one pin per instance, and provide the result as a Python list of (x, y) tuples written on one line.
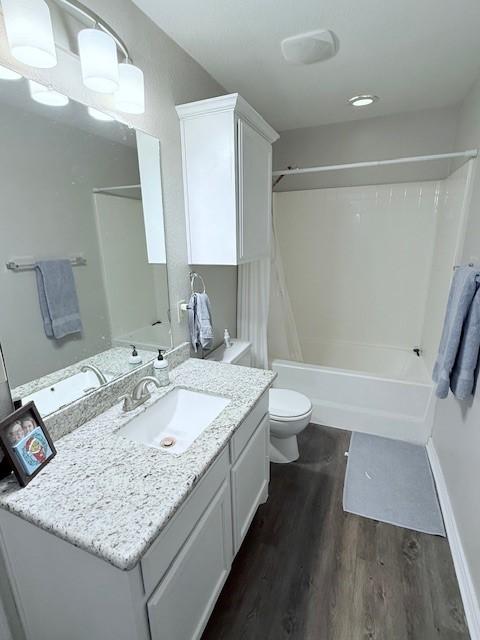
[(284, 403)]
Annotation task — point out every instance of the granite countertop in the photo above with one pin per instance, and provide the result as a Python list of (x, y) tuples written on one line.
[(111, 496)]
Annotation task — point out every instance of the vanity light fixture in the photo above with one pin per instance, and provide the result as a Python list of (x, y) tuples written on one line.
[(99, 115), (363, 100), (130, 98), (8, 74), (98, 59), (29, 32), (44, 95), (30, 36)]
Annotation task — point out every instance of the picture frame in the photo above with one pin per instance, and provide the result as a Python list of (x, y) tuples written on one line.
[(26, 443)]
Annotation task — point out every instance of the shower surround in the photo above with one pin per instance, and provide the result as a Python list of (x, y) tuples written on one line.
[(368, 271)]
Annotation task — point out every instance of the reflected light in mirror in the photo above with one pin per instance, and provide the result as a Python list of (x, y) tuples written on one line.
[(47, 96), (98, 58), (130, 98), (29, 32), (8, 74), (99, 115)]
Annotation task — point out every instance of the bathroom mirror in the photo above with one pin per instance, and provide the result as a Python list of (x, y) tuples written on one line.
[(87, 192)]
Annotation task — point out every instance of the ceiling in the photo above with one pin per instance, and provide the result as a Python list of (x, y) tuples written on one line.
[(413, 54)]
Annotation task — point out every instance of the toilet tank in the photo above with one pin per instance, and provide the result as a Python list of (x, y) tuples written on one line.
[(239, 353)]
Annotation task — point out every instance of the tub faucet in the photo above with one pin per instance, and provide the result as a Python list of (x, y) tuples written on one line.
[(140, 393), (91, 367)]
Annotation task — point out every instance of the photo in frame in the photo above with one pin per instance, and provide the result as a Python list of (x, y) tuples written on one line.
[(26, 443)]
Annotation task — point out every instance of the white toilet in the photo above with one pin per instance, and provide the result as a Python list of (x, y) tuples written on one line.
[(290, 411)]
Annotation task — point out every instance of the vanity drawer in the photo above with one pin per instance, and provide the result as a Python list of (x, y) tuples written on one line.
[(248, 426), (163, 551)]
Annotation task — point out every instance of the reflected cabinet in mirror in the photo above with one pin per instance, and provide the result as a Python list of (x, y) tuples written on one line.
[(83, 274)]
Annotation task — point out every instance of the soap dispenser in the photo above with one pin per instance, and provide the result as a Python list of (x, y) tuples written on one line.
[(134, 358), (227, 339), (160, 369)]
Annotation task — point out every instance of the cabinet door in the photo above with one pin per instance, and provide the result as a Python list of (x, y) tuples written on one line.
[(250, 477), (254, 193), (180, 607)]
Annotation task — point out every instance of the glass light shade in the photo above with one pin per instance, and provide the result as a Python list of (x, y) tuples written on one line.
[(99, 115), (44, 95), (29, 32), (98, 58), (130, 98), (8, 74)]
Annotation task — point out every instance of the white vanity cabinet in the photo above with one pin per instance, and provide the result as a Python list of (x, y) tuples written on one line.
[(227, 175), (64, 592)]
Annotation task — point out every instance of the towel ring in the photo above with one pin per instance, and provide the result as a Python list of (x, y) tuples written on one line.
[(193, 277)]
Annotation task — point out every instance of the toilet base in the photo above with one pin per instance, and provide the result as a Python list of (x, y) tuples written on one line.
[(283, 450)]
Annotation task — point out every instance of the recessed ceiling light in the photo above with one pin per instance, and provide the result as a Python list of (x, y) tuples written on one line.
[(363, 101), (99, 115)]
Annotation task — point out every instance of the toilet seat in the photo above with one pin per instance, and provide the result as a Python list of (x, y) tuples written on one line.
[(285, 405)]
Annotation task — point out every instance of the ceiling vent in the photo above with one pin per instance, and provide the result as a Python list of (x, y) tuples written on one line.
[(307, 48)]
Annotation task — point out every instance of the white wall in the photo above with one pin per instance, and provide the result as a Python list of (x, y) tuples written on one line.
[(452, 206), (456, 431), (356, 262), (171, 77), (48, 172), (406, 134)]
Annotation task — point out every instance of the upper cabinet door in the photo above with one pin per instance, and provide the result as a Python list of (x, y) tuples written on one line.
[(208, 146), (227, 158), (254, 193)]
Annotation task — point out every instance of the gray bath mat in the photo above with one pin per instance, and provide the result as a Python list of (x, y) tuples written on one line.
[(391, 481)]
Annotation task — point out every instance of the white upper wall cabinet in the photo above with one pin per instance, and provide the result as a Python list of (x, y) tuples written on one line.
[(227, 175)]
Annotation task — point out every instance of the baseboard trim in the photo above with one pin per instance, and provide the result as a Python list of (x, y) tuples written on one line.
[(465, 583)]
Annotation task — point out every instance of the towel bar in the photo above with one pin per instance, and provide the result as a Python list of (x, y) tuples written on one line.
[(17, 265)]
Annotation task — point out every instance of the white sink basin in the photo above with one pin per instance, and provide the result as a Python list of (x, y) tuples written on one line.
[(174, 421), (66, 391)]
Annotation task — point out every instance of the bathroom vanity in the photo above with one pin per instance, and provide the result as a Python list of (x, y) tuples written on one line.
[(119, 540)]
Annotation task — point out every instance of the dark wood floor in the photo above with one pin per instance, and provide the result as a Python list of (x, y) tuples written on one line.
[(309, 571)]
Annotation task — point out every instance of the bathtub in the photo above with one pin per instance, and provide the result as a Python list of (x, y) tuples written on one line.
[(392, 396)]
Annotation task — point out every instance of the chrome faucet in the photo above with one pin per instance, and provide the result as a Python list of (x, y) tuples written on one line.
[(91, 367), (140, 393)]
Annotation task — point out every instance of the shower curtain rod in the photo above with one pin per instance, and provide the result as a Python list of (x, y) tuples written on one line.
[(470, 153)]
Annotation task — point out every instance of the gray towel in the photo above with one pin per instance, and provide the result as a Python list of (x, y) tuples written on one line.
[(58, 298), (462, 379), (200, 321), (462, 292)]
